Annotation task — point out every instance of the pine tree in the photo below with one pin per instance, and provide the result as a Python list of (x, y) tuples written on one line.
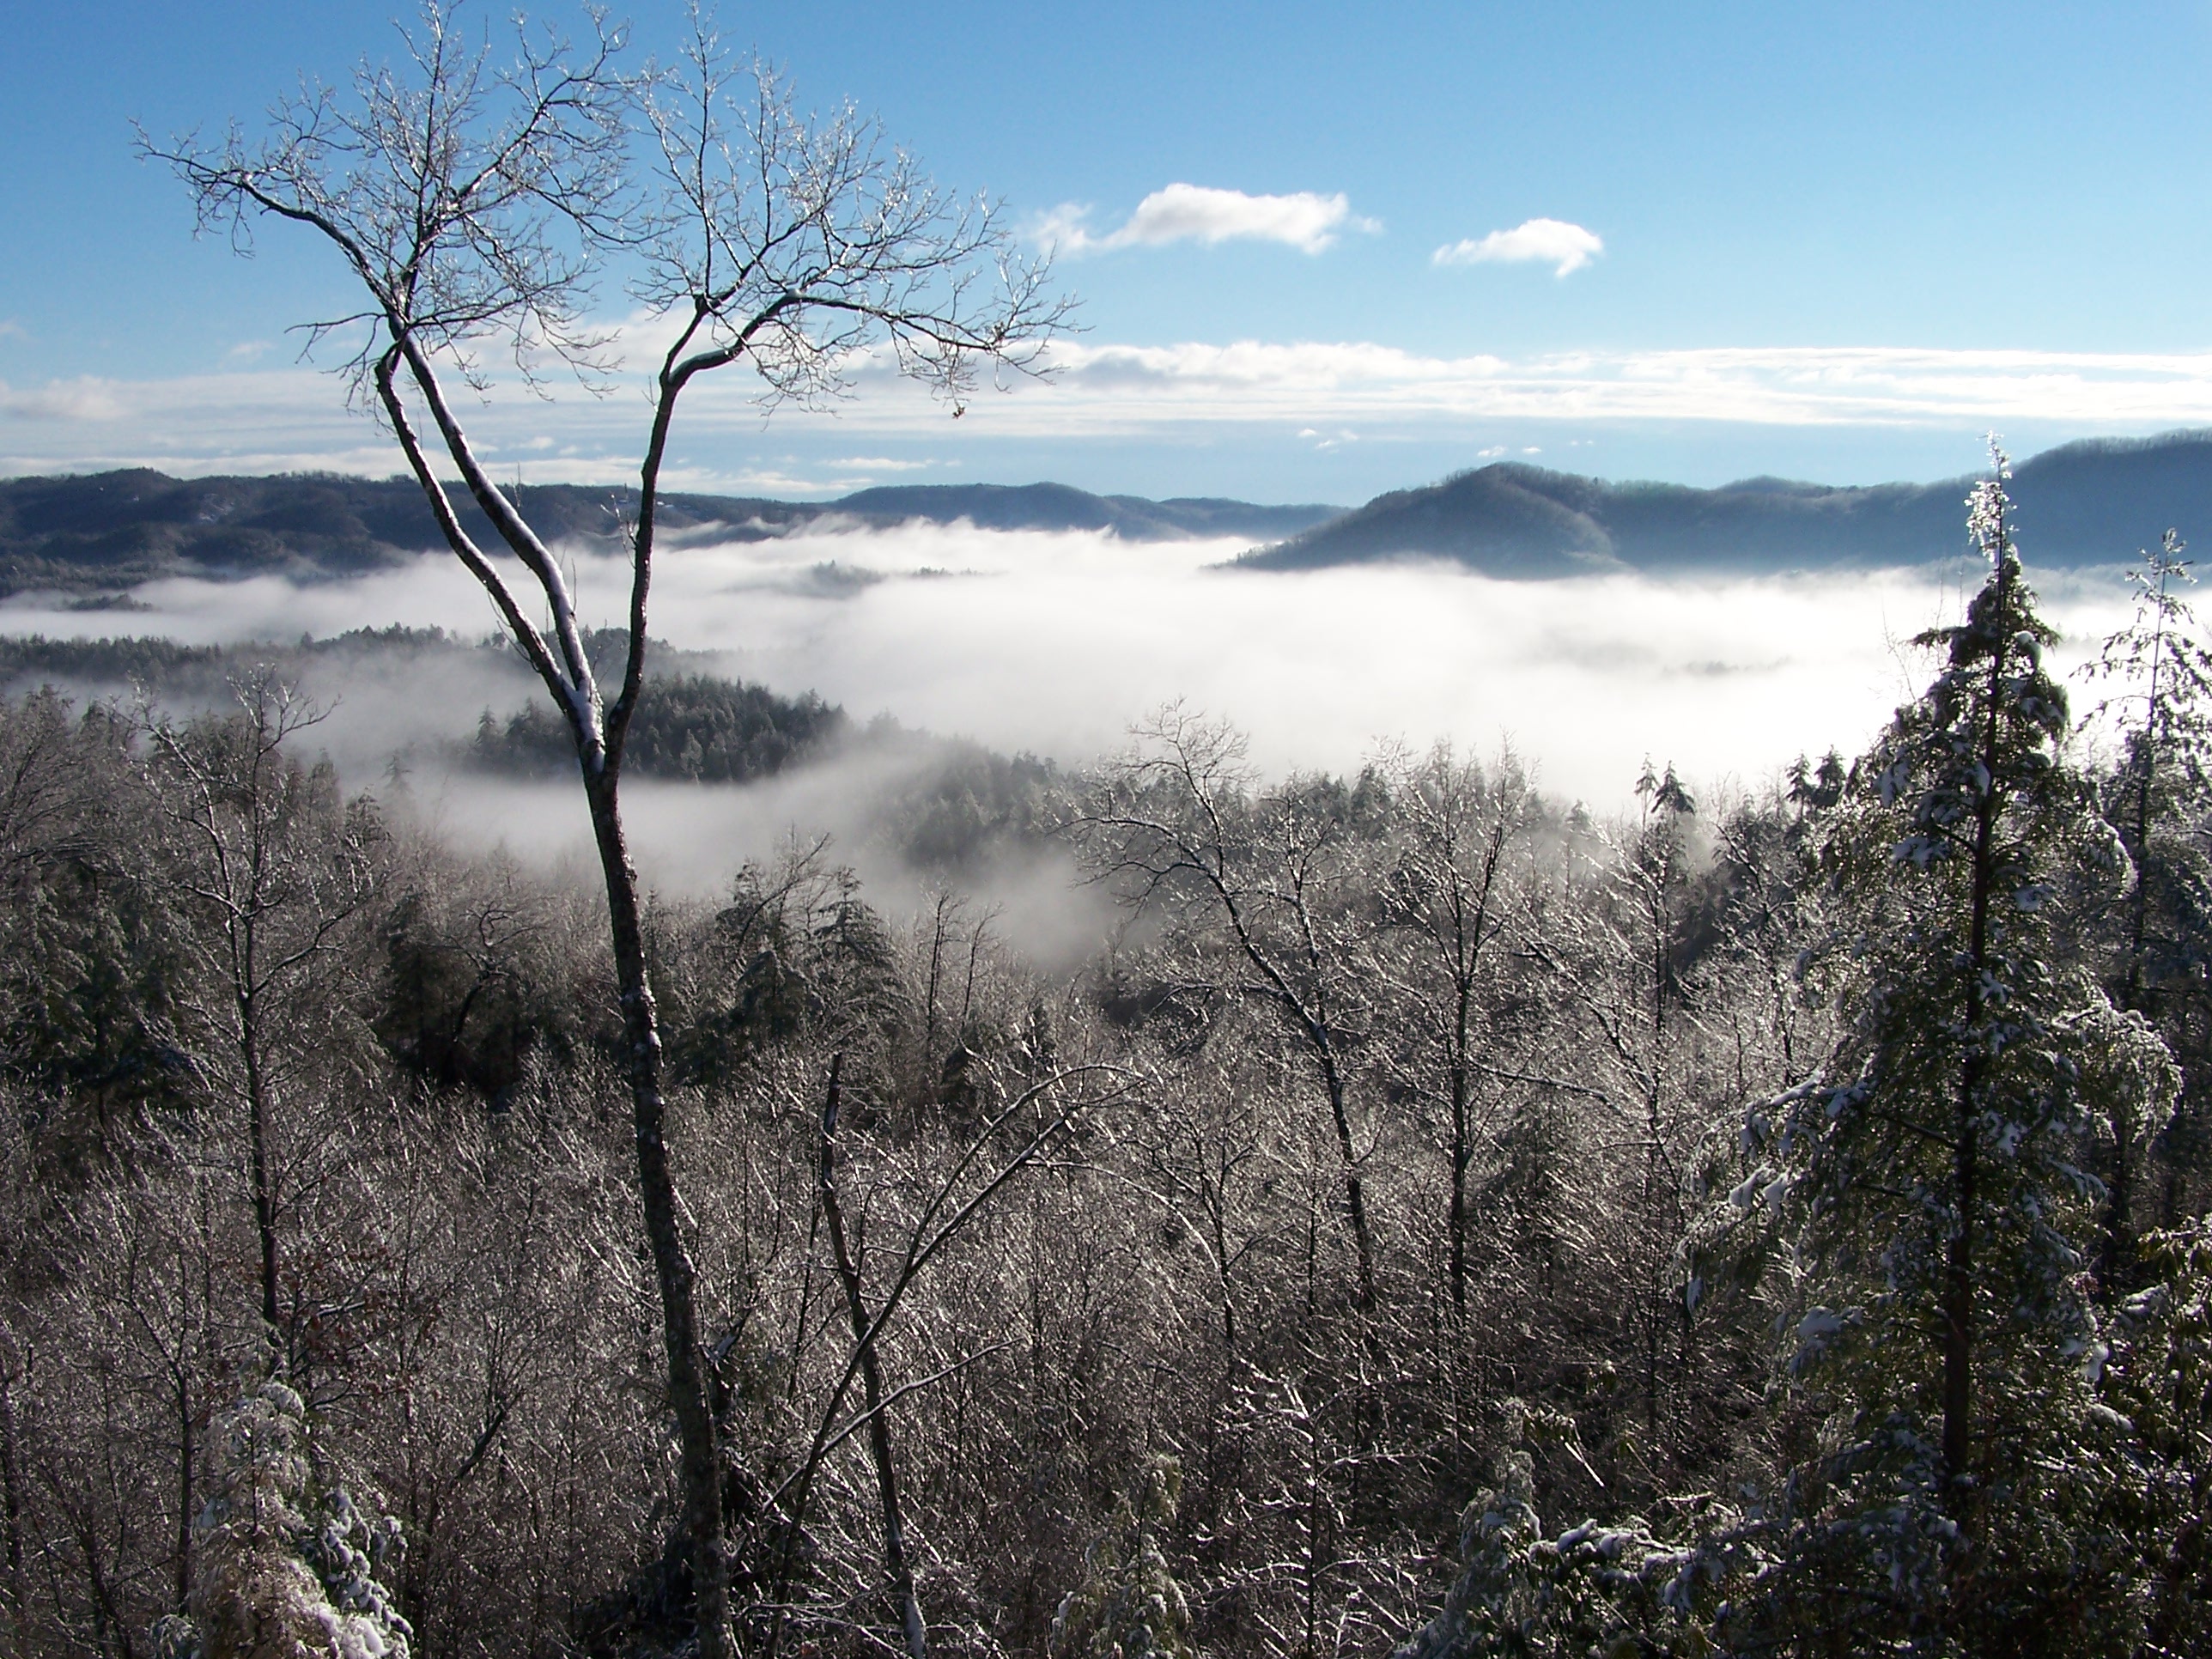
[(288, 1565), (2158, 942), (1945, 1351), (1129, 1604)]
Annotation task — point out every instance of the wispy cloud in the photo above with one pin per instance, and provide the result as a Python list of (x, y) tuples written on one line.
[(1309, 383), (1552, 242), (83, 399), (276, 420), (1305, 220), (12, 329)]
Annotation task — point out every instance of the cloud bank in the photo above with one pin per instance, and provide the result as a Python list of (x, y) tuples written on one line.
[(293, 419), (1198, 213), (1055, 643), (1565, 247)]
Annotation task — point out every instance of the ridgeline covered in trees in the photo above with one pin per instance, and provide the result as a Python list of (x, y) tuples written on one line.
[(1435, 1220)]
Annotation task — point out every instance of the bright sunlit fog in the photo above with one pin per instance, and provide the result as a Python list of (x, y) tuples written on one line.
[(1056, 642)]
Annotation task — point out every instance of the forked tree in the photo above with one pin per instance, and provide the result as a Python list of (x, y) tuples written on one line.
[(476, 205)]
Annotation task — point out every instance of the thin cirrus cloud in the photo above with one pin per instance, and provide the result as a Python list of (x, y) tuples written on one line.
[(1305, 220), (1565, 247), (295, 419)]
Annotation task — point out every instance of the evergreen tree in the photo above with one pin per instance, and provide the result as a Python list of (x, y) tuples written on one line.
[(288, 1566), (2167, 728), (2157, 942), (1129, 1604), (1948, 1445)]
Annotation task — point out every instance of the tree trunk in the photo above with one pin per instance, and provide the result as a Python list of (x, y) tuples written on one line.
[(11, 1499), (1355, 1190), (264, 1196), (871, 1384), (1957, 1299), (699, 1459), (184, 1452), (1462, 1152)]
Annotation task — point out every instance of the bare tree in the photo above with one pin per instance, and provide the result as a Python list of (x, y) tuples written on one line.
[(474, 206), (1175, 826), (1448, 894), (274, 868)]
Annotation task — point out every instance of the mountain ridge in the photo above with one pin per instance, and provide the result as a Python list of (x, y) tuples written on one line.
[(91, 537), (2095, 501), (93, 533)]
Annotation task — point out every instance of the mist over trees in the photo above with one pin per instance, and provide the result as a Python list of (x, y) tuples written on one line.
[(1433, 1216)]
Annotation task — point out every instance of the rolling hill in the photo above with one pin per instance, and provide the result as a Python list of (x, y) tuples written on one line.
[(105, 532), (2091, 503)]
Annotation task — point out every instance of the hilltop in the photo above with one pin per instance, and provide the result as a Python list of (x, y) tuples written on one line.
[(2091, 503), (104, 533)]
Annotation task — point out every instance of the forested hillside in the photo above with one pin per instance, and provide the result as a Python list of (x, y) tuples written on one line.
[(693, 724), (1436, 1217), (102, 533), (2094, 503)]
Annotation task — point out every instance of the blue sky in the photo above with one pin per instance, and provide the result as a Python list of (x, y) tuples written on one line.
[(1834, 242)]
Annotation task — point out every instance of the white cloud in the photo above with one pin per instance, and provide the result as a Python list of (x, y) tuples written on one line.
[(84, 399), (1053, 642), (1306, 221), (1552, 242), (293, 419), (12, 329), (1106, 388)]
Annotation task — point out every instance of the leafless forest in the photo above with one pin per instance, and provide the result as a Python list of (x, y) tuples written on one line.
[(1428, 1204)]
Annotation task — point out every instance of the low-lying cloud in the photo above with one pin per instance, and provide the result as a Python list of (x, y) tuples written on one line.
[(1565, 247), (1304, 219), (1056, 642)]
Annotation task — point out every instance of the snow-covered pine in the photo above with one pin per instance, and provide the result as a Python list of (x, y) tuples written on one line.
[(1616, 1588), (1940, 1349), (2159, 672), (1129, 1604), (287, 1570)]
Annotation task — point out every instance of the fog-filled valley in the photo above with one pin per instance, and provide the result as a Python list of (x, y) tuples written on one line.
[(1213, 1110), (947, 653), (1055, 643)]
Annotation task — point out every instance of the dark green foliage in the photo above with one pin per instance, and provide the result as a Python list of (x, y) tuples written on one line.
[(90, 947), (795, 954), (474, 989), (689, 726)]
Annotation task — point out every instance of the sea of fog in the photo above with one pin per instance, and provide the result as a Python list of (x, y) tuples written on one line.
[(1055, 643)]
